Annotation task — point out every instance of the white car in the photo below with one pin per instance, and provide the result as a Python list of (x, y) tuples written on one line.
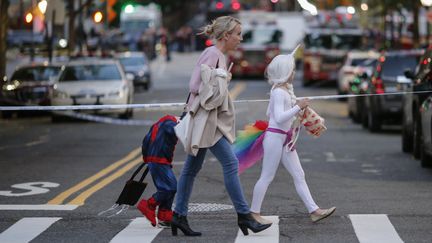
[(347, 71), (94, 82)]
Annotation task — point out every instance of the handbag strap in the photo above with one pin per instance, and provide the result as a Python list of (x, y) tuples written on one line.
[(138, 170)]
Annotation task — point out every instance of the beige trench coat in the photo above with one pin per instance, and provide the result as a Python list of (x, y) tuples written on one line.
[(212, 112)]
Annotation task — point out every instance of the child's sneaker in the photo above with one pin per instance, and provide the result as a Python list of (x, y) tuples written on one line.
[(164, 217), (148, 209)]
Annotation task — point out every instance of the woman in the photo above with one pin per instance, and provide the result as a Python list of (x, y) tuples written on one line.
[(226, 31), (278, 141)]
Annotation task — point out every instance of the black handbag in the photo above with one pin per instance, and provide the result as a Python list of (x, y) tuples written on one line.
[(133, 190), (130, 194)]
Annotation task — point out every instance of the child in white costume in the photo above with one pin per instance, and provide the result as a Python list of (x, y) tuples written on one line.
[(282, 111)]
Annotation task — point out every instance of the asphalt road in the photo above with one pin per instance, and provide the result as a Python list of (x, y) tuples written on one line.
[(378, 190)]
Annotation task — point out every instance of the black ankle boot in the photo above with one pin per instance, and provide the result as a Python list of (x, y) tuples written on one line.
[(246, 221), (181, 222)]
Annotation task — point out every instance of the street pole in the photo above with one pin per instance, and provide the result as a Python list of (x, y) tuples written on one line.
[(4, 20), (427, 27)]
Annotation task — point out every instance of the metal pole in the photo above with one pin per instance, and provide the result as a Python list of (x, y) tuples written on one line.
[(427, 27)]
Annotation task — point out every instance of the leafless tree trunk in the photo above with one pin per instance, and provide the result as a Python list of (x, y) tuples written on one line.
[(415, 30), (4, 20)]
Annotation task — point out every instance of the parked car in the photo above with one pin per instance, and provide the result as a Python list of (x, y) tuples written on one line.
[(421, 80), (388, 77), (425, 132), (137, 65), (94, 83), (347, 72), (358, 86), (29, 85)]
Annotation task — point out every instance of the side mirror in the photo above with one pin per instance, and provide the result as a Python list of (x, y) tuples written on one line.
[(409, 74)]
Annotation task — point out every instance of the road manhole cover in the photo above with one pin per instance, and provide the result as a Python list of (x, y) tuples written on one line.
[(208, 207)]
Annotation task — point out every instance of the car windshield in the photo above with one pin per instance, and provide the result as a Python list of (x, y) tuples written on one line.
[(130, 26), (396, 65), (368, 63), (333, 41), (35, 73), (132, 61), (262, 36), (357, 61), (91, 73)]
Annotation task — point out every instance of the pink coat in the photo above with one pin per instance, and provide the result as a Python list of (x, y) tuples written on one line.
[(209, 56)]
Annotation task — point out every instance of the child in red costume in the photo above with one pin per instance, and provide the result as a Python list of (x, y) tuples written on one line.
[(157, 151)]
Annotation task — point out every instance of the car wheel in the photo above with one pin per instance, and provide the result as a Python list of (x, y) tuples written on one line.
[(146, 86), (407, 138), (374, 123), (425, 158), (7, 114), (128, 114), (56, 118), (417, 137)]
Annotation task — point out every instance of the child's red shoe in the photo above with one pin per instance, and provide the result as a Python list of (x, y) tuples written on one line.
[(148, 209), (164, 217)]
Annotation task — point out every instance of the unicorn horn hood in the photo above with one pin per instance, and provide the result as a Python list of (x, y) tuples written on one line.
[(281, 67)]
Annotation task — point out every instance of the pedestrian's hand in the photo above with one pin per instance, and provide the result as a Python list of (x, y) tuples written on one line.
[(303, 103), (229, 77)]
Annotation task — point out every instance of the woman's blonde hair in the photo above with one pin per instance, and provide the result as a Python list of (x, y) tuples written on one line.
[(220, 26)]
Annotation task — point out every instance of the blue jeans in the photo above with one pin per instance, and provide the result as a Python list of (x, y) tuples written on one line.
[(222, 150), (165, 183)]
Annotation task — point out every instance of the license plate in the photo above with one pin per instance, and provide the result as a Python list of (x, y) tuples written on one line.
[(391, 89), (39, 89)]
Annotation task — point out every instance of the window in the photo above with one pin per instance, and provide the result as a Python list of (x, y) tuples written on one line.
[(35, 73), (91, 73)]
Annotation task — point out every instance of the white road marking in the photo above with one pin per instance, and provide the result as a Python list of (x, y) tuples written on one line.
[(32, 188), (269, 235), (305, 160), (374, 228), (139, 230), (37, 207), (26, 229), (372, 171), (330, 157)]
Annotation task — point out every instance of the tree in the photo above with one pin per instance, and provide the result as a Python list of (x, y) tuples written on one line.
[(4, 21), (72, 13)]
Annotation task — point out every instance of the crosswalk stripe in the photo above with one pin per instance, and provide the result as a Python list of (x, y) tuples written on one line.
[(139, 230), (36, 207), (269, 235), (374, 228), (26, 229)]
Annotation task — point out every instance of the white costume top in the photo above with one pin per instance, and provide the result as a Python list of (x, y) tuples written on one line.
[(281, 111)]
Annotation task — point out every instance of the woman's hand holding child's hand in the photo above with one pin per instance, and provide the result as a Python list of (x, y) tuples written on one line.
[(303, 103)]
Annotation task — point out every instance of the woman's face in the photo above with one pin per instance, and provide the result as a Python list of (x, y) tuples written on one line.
[(234, 38)]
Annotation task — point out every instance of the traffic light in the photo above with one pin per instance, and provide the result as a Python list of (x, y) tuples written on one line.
[(97, 17), (129, 8), (29, 18), (110, 10)]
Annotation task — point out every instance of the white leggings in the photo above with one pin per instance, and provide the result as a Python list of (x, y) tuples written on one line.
[(274, 152)]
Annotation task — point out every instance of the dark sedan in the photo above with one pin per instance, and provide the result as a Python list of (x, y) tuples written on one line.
[(29, 85), (425, 132), (421, 81), (137, 65), (388, 77)]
